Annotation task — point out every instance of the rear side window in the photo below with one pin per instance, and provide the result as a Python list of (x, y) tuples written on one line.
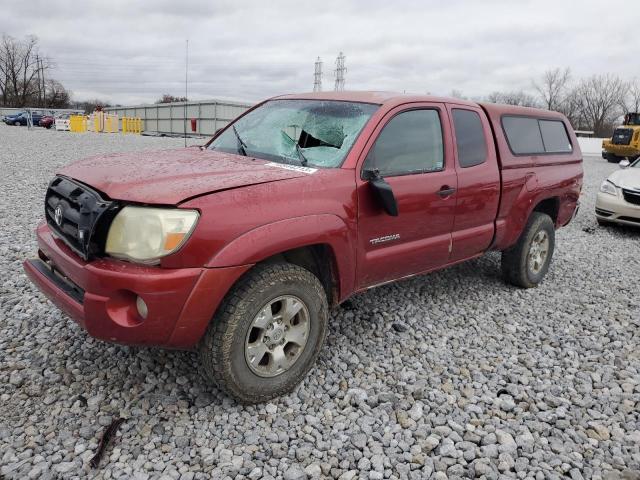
[(532, 136), (554, 136), (523, 135), (410, 143), (470, 139)]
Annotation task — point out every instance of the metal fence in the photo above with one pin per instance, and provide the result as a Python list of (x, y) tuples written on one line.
[(170, 117), (4, 111)]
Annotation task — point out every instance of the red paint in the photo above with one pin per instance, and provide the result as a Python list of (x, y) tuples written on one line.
[(251, 211)]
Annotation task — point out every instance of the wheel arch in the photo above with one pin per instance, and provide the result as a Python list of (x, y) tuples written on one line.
[(319, 243), (510, 228)]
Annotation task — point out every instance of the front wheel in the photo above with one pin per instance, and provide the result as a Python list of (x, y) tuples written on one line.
[(267, 333), (527, 262)]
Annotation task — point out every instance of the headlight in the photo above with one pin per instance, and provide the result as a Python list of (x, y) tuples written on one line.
[(143, 234), (608, 187)]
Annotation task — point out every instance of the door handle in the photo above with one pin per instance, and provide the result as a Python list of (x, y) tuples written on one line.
[(446, 191)]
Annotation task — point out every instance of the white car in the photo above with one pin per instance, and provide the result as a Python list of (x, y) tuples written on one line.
[(618, 200)]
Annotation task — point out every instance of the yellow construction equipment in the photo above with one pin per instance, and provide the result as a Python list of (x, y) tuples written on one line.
[(625, 141)]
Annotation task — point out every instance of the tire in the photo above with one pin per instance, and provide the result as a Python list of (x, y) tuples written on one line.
[(17, 124), (225, 347), (517, 266), (611, 158), (602, 223)]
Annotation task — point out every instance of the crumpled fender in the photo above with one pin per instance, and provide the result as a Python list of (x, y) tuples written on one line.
[(267, 240)]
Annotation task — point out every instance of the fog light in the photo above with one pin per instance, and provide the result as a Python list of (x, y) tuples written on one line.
[(142, 307)]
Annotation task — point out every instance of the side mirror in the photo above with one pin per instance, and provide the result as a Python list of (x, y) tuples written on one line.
[(624, 163), (383, 192)]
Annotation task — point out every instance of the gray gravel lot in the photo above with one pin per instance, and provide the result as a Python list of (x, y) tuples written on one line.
[(450, 375)]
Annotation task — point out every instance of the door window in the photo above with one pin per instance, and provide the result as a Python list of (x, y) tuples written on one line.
[(470, 139), (410, 143)]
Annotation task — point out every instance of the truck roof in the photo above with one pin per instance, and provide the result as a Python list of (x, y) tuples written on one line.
[(371, 96), (393, 98)]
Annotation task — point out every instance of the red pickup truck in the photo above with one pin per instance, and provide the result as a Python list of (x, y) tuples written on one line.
[(238, 248)]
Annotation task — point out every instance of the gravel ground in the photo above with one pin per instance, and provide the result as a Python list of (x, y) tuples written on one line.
[(450, 375)]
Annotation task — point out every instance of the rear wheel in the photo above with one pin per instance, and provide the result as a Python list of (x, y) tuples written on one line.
[(527, 262), (267, 333)]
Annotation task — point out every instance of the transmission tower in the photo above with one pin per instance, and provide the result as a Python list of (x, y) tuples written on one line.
[(340, 71), (317, 76)]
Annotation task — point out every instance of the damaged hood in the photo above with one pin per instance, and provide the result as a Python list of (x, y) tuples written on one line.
[(171, 176), (627, 178)]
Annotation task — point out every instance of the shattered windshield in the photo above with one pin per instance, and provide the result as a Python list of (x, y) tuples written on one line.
[(308, 132)]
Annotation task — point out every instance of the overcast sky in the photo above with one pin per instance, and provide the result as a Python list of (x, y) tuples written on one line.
[(134, 51)]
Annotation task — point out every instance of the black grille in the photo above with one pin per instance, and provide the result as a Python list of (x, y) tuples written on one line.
[(622, 136), (631, 196), (78, 215)]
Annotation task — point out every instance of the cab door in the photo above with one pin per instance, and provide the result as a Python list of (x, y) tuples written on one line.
[(411, 149), (478, 195)]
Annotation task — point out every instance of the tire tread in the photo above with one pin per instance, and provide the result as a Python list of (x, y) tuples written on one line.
[(216, 345)]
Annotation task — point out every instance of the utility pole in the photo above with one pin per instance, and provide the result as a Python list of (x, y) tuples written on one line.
[(186, 90), (317, 76), (39, 80), (44, 88), (340, 71)]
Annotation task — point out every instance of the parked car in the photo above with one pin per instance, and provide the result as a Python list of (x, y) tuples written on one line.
[(22, 118), (239, 248), (47, 121), (618, 200), (12, 119)]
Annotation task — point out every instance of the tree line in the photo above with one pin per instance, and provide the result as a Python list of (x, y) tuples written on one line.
[(594, 103), (25, 79), (24, 76)]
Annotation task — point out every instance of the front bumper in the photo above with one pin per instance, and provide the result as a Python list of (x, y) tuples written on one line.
[(615, 209), (101, 295)]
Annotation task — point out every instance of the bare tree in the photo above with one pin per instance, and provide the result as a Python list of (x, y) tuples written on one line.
[(56, 95), (455, 93), (519, 97), (168, 98), (553, 88), (90, 106), (600, 97), (22, 70), (631, 99), (572, 108)]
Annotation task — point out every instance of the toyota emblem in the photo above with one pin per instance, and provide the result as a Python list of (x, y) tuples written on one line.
[(57, 215)]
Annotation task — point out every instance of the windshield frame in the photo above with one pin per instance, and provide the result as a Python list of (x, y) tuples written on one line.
[(285, 160)]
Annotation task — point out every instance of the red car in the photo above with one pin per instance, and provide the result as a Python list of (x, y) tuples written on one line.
[(47, 121), (239, 248)]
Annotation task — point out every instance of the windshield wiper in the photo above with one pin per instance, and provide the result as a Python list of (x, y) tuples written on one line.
[(303, 159), (242, 147)]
